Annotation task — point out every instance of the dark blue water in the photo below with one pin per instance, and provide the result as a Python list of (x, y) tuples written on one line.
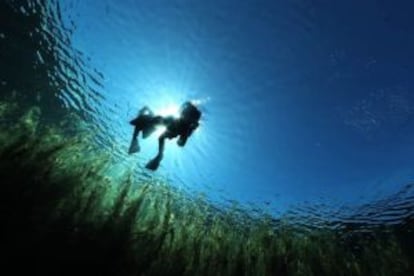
[(308, 106)]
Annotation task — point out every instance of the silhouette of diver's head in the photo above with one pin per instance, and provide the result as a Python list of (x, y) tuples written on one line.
[(189, 112)]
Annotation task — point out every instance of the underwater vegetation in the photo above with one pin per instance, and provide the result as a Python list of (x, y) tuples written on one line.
[(63, 214)]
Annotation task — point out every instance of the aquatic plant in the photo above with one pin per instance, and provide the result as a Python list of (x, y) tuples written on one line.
[(64, 214)]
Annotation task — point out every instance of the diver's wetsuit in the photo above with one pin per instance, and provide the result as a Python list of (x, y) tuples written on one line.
[(182, 126)]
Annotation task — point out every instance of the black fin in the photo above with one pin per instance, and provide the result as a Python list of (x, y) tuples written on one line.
[(153, 164), (134, 147)]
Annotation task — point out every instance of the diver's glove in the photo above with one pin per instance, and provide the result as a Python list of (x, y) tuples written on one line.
[(182, 140)]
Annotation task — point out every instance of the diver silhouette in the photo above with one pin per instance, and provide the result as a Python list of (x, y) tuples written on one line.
[(182, 126)]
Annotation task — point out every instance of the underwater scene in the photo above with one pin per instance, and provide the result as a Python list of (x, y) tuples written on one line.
[(175, 137)]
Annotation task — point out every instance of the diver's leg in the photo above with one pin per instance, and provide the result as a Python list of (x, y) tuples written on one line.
[(161, 145), (152, 124), (155, 162), (146, 111), (134, 146)]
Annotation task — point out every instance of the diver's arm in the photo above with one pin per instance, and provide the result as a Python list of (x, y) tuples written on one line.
[(183, 138)]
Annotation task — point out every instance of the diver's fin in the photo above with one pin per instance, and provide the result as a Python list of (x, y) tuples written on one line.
[(134, 147), (153, 164)]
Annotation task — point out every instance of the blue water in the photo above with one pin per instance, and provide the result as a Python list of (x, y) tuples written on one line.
[(305, 102)]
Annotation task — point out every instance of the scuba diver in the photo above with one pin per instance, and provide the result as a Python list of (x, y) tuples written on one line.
[(182, 126)]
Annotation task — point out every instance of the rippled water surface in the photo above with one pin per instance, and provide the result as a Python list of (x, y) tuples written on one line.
[(308, 106)]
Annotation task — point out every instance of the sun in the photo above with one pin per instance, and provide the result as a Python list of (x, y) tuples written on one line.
[(169, 110)]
